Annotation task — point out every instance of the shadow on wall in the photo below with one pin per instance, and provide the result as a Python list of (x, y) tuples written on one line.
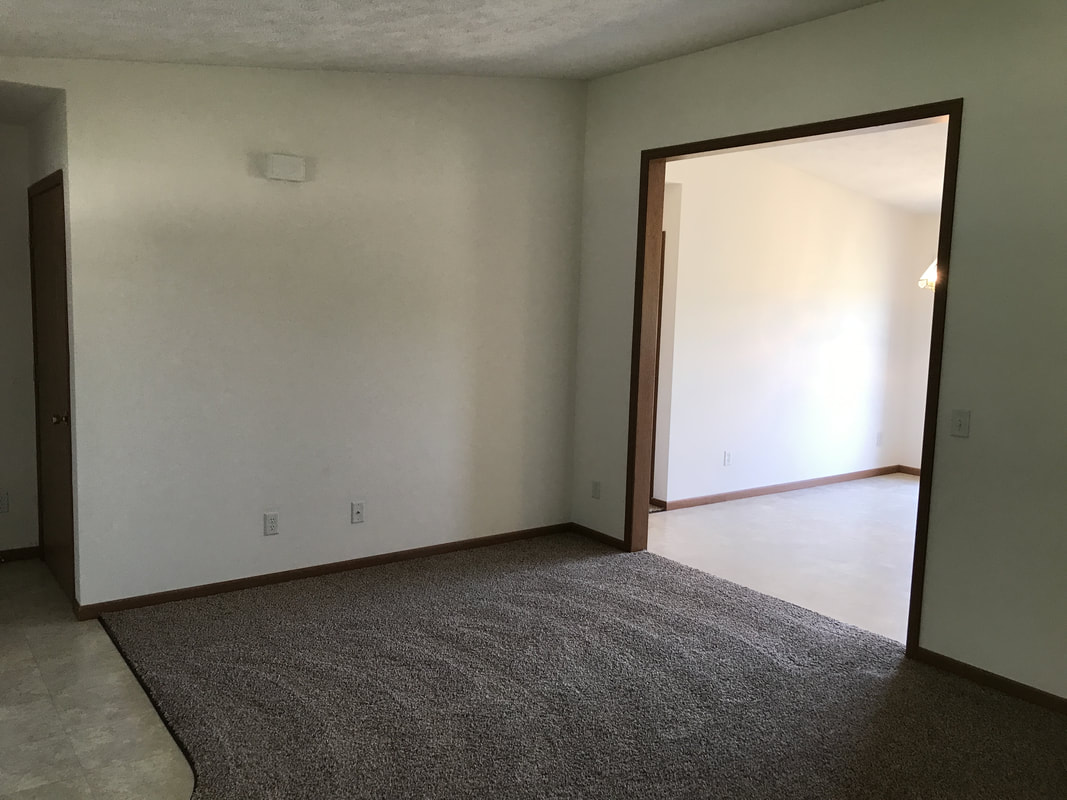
[(521, 312), (32, 145)]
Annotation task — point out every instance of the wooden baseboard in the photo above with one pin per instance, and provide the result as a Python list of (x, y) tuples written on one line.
[(655, 501), (777, 488), (93, 610), (20, 553), (597, 536), (991, 679), (909, 470)]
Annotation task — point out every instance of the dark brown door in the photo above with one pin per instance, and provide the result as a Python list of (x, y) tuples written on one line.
[(48, 265)]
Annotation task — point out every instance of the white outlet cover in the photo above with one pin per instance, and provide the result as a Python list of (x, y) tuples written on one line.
[(270, 523)]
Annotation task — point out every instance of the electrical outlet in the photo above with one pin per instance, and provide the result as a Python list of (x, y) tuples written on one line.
[(727, 458), (5, 501), (270, 523), (357, 512), (596, 490)]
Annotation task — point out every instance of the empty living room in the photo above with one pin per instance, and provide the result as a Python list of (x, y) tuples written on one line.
[(329, 361)]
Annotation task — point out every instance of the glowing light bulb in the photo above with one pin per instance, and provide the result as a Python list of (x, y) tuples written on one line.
[(929, 278)]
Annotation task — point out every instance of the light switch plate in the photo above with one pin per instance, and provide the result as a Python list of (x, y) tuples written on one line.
[(284, 167), (961, 423)]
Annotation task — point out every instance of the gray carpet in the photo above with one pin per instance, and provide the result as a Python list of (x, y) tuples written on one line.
[(557, 668)]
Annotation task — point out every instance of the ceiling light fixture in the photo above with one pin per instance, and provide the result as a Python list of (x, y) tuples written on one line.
[(929, 278)]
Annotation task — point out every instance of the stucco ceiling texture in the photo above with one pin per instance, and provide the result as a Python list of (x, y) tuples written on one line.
[(544, 38)]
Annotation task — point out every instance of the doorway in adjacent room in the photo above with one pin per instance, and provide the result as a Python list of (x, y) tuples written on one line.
[(36, 465)]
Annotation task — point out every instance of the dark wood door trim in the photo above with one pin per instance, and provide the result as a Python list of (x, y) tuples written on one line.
[(643, 352), (64, 571), (933, 376), (659, 358), (646, 313)]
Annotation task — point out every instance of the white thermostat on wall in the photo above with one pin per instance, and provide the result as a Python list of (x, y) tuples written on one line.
[(282, 167)]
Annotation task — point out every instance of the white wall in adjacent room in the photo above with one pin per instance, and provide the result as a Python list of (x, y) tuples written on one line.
[(18, 443), (397, 330), (793, 347), (909, 344), (994, 595), (672, 214)]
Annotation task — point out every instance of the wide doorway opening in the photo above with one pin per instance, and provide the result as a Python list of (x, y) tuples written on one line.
[(789, 319)]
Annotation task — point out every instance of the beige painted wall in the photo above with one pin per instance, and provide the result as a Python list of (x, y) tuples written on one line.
[(18, 444), (995, 594), (399, 330)]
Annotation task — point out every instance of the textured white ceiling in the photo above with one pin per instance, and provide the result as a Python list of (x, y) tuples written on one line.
[(551, 38), (903, 166)]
